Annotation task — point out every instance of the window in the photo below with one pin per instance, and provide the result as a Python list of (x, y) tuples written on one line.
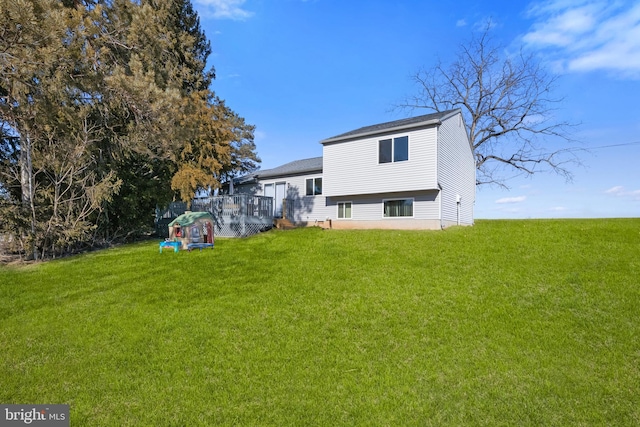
[(393, 150), (268, 190), (401, 149), (385, 151), (398, 208), (344, 210), (314, 186)]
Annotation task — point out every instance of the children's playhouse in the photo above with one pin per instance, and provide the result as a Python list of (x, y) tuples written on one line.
[(189, 231)]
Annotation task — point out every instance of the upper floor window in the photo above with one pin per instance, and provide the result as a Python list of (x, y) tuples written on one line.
[(314, 186), (393, 150)]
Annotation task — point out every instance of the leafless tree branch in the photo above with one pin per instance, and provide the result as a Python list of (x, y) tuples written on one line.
[(508, 105)]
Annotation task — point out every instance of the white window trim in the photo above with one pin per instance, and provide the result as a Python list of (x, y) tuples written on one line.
[(338, 210), (413, 208), (313, 179), (393, 150)]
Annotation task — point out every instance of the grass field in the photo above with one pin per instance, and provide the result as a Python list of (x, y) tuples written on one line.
[(532, 322)]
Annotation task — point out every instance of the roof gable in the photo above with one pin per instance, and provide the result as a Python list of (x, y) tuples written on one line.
[(411, 122)]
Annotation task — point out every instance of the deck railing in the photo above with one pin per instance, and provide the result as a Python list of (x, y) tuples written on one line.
[(239, 215)]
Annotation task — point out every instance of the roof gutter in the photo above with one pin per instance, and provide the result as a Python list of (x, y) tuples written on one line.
[(379, 131), (258, 175)]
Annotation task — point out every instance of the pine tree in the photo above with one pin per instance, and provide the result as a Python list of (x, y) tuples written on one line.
[(105, 111)]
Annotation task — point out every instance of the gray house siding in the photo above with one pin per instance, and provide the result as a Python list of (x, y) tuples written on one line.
[(306, 208), (367, 211), (353, 172), (352, 167), (288, 182), (456, 172)]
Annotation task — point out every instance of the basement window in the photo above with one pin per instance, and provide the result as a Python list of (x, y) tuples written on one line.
[(398, 208), (344, 210)]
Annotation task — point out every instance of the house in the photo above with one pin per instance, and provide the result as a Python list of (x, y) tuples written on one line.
[(286, 182), (414, 173)]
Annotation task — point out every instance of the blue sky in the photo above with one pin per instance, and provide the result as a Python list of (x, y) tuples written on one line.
[(303, 71)]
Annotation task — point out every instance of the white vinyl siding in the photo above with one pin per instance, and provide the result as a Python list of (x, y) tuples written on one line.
[(306, 208), (370, 207), (352, 167), (456, 172)]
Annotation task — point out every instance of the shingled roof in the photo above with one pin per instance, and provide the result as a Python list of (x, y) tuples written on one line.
[(293, 168), (426, 119)]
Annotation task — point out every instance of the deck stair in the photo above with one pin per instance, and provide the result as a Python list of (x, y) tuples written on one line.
[(283, 224)]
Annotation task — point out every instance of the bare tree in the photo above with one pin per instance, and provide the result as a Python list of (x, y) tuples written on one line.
[(508, 105)]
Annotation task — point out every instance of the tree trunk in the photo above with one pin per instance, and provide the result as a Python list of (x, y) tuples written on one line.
[(28, 190)]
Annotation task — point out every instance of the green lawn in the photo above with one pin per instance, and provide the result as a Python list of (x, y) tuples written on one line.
[(532, 322)]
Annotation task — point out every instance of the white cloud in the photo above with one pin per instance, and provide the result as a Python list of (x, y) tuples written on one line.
[(588, 35), (620, 191), (518, 199), (223, 9), (461, 23)]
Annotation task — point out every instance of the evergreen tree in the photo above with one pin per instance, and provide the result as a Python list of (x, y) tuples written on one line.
[(105, 110)]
